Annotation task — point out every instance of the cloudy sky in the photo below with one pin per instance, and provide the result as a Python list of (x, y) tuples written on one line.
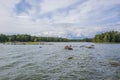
[(62, 18)]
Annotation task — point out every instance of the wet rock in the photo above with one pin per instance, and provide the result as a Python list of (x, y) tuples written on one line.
[(68, 47), (70, 58), (40, 47), (115, 63), (90, 47), (82, 79)]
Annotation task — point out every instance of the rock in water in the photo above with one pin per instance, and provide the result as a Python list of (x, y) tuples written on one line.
[(68, 48), (115, 63), (70, 58)]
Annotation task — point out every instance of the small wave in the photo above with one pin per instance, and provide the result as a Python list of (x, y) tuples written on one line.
[(10, 65), (28, 65)]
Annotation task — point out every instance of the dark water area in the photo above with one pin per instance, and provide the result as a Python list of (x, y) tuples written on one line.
[(53, 62)]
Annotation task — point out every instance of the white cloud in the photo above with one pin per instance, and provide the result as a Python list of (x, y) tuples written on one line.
[(90, 11), (51, 5), (79, 21)]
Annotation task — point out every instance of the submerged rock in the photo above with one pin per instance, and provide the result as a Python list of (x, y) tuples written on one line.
[(108, 78), (114, 63), (70, 58), (118, 74), (40, 47), (90, 47), (83, 79), (82, 46)]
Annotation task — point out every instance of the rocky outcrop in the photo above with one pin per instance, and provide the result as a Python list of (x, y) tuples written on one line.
[(68, 47)]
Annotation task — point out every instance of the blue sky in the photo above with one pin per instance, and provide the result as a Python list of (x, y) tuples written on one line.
[(62, 18)]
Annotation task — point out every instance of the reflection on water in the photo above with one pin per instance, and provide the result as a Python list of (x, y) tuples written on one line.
[(52, 62)]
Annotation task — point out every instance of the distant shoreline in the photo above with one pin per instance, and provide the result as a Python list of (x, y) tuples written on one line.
[(50, 43), (27, 43), (106, 37)]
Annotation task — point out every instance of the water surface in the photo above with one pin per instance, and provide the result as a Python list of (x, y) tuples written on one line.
[(29, 62)]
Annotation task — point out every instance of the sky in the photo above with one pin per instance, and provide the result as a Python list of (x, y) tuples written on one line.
[(59, 18)]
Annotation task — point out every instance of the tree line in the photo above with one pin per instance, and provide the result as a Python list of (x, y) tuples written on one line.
[(81, 40), (111, 36), (29, 38)]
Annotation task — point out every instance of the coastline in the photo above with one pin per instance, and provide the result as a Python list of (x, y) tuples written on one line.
[(51, 43)]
